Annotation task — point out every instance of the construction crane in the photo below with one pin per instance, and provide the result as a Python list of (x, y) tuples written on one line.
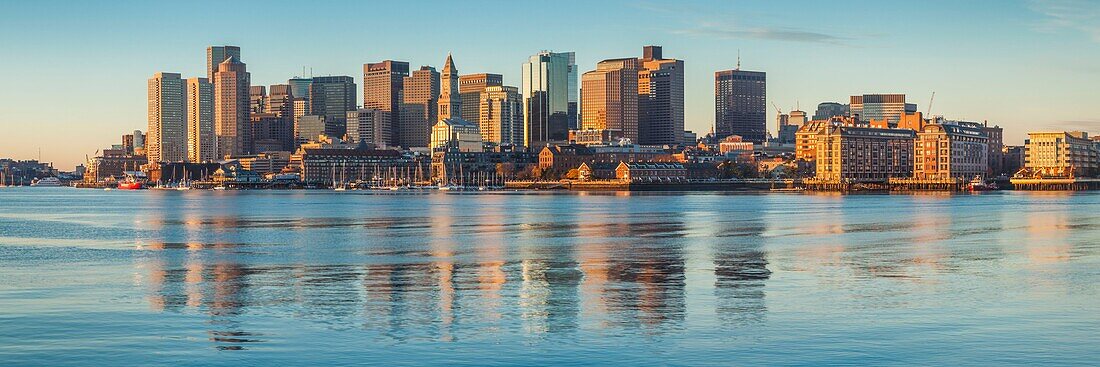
[(777, 108), (928, 112)]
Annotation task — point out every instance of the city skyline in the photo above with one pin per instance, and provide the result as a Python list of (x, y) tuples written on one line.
[(982, 77)]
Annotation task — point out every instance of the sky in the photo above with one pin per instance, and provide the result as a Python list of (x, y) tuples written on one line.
[(75, 72)]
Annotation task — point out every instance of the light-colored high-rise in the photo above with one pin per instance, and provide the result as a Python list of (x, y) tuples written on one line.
[(501, 115), (216, 54), (609, 97), (231, 109), (879, 107), (200, 120), (281, 100), (419, 108), (548, 84), (167, 137), (660, 99), (470, 87), (369, 126)]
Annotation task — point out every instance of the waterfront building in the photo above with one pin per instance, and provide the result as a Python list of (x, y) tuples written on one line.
[(1060, 154), (167, 139), (596, 171), (271, 132), (419, 109), (470, 88), (280, 100), (549, 88), (609, 97), (656, 172), (383, 85), (215, 55), (951, 150), (265, 163), (369, 126), (660, 98), (500, 110), (200, 120), (231, 108), (864, 154), (734, 146), (826, 110), (332, 97), (478, 168), (1013, 158), (888, 107), (996, 149), (740, 104), (325, 166), (111, 164), (257, 99), (560, 158), (456, 134)]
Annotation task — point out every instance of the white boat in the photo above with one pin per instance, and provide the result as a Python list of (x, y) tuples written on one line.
[(46, 182)]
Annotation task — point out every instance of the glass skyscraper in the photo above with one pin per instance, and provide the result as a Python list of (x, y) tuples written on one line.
[(549, 88)]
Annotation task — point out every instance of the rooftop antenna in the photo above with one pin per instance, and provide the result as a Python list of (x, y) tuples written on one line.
[(738, 59)]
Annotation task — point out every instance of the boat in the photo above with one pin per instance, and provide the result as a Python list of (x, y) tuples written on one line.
[(130, 185), (978, 184), (46, 182)]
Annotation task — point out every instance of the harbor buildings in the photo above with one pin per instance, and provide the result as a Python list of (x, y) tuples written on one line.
[(951, 151), (1060, 154), (863, 154)]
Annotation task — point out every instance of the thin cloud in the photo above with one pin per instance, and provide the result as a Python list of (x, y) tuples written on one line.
[(763, 33), (1076, 15)]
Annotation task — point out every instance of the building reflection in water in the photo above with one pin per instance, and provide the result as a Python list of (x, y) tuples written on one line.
[(741, 272)]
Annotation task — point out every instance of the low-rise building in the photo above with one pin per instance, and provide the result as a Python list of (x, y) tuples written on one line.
[(651, 172), (595, 136), (456, 134), (325, 166), (596, 171), (1060, 154), (863, 154), (951, 150)]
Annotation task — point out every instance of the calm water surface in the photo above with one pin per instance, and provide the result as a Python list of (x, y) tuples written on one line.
[(90, 277)]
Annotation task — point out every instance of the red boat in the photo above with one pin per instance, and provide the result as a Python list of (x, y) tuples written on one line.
[(130, 185), (978, 184)]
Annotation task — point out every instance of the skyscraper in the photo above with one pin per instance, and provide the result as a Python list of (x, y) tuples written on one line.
[(418, 110), (740, 106), (878, 107), (200, 120), (280, 100), (470, 87), (271, 132), (501, 115), (332, 97), (167, 139), (231, 108), (216, 54), (383, 83), (257, 99), (609, 97), (660, 99), (547, 94), (825, 110), (450, 103)]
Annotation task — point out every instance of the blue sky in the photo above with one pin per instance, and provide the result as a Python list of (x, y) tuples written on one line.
[(75, 72)]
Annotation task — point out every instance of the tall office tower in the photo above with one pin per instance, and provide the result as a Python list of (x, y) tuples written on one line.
[(216, 54), (547, 94), (470, 87), (878, 107), (418, 109), (299, 88), (332, 97), (257, 99), (740, 106), (826, 110), (660, 99), (280, 100), (271, 133), (573, 112), (368, 126), (383, 83), (450, 103), (200, 120), (609, 97), (231, 113), (167, 139), (500, 111)]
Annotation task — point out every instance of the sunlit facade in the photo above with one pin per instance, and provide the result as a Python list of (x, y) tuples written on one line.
[(740, 106), (549, 88), (167, 137), (200, 120)]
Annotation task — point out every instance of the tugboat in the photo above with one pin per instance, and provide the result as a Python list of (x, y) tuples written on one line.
[(978, 184), (130, 184)]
